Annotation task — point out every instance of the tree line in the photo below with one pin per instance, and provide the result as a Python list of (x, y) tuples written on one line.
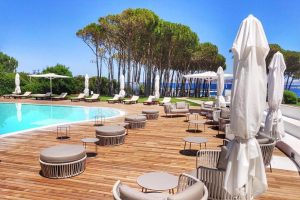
[(139, 45)]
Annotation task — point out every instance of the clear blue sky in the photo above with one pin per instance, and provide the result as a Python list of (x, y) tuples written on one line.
[(40, 33)]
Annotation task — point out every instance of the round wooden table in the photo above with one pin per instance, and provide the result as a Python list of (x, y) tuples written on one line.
[(196, 124), (90, 140), (158, 181), (196, 140)]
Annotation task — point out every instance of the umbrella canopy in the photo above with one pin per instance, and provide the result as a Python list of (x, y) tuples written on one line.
[(209, 75), (156, 92), (86, 86), (17, 82), (49, 76), (275, 94), (122, 86), (245, 163), (220, 88)]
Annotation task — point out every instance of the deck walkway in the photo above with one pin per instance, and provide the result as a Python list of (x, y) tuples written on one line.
[(157, 147)]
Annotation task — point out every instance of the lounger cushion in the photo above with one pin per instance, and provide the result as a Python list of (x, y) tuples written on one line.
[(194, 192), (110, 130), (62, 153), (208, 104), (222, 162), (179, 110), (150, 111), (135, 118), (127, 193), (180, 105)]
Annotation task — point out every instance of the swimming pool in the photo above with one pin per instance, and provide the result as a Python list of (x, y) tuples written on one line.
[(19, 117)]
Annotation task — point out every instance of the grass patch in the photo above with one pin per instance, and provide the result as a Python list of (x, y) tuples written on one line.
[(142, 99), (203, 98)]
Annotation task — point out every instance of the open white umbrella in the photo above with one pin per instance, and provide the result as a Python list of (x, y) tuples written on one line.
[(17, 82), (49, 76), (245, 163), (156, 92), (86, 86), (220, 88), (122, 92), (275, 94), (209, 76)]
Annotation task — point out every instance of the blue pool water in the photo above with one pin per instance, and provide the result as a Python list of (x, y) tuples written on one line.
[(15, 117)]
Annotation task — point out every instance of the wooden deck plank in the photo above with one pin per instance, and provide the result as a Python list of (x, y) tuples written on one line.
[(155, 148)]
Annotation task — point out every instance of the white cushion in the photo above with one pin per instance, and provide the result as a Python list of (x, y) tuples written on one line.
[(194, 192), (180, 105), (127, 193)]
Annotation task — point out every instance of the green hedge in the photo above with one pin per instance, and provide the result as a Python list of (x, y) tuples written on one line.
[(290, 97), (73, 85)]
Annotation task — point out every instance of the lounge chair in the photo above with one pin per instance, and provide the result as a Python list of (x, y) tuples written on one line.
[(134, 99), (62, 96), (166, 100), (8, 96), (179, 108), (150, 101), (93, 98), (188, 188), (115, 99), (78, 98), (42, 96), (21, 96)]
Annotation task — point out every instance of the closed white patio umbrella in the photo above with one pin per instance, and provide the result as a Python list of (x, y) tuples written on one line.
[(49, 76), (220, 88), (17, 82), (86, 86), (156, 92), (122, 92), (275, 95), (245, 163)]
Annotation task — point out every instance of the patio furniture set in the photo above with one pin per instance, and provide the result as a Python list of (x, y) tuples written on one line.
[(210, 164), (63, 161)]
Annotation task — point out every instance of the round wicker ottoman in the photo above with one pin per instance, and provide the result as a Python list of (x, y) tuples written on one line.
[(63, 161), (110, 135), (151, 114), (136, 121)]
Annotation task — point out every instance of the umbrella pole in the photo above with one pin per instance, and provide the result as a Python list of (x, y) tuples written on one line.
[(208, 88), (51, 86)]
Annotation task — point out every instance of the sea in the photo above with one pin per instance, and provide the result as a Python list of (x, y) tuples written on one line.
[(227, 88)]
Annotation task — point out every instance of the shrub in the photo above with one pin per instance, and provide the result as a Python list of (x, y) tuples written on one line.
[(7, 83), (290, 97)]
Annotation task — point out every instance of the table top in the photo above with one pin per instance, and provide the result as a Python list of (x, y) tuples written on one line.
[(158, 181), (90, 140), (111, 128), (195, 139), (197, 121)]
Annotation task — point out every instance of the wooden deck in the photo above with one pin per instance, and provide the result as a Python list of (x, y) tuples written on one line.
[(158, 147)]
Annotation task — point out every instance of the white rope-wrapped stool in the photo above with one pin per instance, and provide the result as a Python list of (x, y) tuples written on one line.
[(136, 121), (151, 114), (111, 135), (63, 161)]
